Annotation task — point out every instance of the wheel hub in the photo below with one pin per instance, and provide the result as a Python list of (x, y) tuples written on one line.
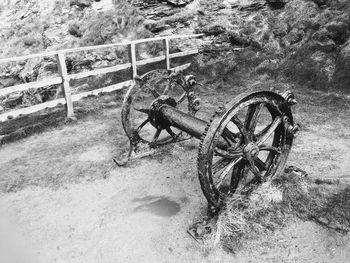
[(251, 151), (156, 119)]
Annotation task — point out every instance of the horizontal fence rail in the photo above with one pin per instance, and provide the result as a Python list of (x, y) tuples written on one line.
[(64, 77)]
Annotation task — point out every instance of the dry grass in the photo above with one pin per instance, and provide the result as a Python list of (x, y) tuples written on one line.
[(52, 159), (272, 205), (325, 202), (245, 217)]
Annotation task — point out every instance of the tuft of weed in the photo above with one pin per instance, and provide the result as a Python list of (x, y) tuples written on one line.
[(272, 205), (122, 23)]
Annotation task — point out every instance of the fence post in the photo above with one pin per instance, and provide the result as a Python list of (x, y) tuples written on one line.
[(166, 53), (132, 59), (62, 67)]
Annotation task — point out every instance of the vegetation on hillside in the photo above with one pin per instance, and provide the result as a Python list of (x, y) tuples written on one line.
[(36, 26), (306, 42), (301, 40), (298, 41)]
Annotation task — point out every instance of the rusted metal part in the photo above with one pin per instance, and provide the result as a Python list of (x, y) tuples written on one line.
[(289, 97), (155, 116), (246, 142), (183, 121), (189, 124), (194, 102)]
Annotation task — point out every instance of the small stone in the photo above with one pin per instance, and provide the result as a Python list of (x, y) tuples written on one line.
[(277, 4), (178, 3), (338, 31), (81, 3)]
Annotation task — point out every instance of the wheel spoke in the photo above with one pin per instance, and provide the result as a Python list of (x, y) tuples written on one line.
[(269, 131), (227, 169), (236, 151), (241, 127), (254, 169), (229, 136), (229, 154), (181, 99), (143, 110), (154, 93), (156, 136), (258, 135), (220, 164), (253, 115), (238, 174), (170, 131), (270, 148), (226, 140), (273, 109), (141, 125), (260, 164)]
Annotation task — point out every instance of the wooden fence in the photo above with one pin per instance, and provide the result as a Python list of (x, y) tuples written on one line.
[(65, 77)]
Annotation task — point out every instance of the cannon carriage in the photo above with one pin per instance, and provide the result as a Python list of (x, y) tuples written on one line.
[(245, 142)]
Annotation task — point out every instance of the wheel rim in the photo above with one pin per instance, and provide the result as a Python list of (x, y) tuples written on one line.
[(224, 172)]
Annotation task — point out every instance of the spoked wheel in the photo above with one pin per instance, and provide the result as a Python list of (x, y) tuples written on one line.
[(156, 85), (246, 143)]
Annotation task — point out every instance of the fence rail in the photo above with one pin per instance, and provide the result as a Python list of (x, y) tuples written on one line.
[(65, 77)]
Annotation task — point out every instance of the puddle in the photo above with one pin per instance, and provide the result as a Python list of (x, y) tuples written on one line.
[(157, 205)]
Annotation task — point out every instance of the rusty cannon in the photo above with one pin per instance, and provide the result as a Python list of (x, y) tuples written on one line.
[(245, 142)]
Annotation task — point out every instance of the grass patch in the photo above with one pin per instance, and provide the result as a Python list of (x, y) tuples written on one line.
[(66, 152), (124, 22), (273, 205)]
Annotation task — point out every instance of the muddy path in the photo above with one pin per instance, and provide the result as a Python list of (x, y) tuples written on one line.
[(63, 200)]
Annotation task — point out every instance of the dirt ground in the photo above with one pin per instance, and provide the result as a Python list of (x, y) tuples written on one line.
[(64, 200)]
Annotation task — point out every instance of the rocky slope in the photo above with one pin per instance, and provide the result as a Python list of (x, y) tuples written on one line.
[(303, 41), (36, 26)]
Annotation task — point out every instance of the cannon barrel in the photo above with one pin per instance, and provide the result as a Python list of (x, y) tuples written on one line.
[(183, 121), (188, 123)]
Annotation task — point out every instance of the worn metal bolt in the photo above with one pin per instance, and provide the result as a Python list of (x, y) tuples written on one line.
[(196, 104), (289, 97), (190, 80), (254, 152), (295, 129)]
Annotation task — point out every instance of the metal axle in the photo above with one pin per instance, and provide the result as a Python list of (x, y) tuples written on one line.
[(183, 121), (188, 123)]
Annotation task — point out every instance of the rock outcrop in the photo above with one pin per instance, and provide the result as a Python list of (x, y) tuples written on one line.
[(277, 4), (81, 3), (179, 3), (299, 39), (342, 75)]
